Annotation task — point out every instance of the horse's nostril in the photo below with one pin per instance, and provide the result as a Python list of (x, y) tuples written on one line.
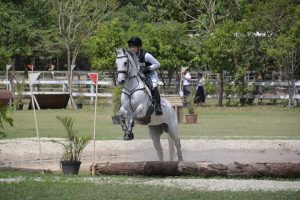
[(122, 82)]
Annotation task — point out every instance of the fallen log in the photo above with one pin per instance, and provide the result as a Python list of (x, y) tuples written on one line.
[(203, 169)]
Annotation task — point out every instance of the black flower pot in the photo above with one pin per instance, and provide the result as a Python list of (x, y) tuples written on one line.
[(79, 106), (70, 167)]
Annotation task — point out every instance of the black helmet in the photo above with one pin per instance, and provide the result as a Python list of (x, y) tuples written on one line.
[(135, 41)]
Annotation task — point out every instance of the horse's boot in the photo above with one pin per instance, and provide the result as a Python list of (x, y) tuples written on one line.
[(156, 97)]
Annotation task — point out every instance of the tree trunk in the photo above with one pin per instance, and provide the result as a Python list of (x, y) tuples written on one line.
[(221, 87), (203, 169), (69, 69)]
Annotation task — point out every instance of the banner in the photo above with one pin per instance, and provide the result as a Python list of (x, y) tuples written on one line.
[(94, 77)]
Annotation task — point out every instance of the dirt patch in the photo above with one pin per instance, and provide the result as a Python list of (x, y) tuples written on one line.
[(24, 153)]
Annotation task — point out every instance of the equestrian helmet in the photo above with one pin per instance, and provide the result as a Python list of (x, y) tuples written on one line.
[(135, 41)]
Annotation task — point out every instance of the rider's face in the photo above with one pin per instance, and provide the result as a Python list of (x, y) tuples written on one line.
[(135, 49)]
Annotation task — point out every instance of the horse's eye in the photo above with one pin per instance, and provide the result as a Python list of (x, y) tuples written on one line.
[(125, 63)]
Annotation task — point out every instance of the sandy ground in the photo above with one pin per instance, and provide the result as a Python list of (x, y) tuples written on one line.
[(24, 153)]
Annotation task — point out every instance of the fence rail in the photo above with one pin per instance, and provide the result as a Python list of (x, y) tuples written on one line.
[(49, 83)]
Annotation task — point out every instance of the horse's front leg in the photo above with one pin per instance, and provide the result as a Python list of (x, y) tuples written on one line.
[(128, 134), (122, 113)]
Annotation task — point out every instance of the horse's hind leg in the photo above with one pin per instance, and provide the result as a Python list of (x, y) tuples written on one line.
[(171, 148), (174, 136), (155, 133)]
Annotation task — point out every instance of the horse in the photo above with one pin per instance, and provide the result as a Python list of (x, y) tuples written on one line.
[(136, 106)]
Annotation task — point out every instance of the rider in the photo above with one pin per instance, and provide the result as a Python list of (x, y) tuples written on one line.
[(148, 66)]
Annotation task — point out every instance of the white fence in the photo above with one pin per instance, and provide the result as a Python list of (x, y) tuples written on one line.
[(49, 83)]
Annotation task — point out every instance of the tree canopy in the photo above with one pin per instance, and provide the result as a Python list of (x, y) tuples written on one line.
[(216, 35)]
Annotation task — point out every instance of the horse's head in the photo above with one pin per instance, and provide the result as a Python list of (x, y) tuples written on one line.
[(124, 63)]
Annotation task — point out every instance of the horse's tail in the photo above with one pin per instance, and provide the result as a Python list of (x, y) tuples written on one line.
[(173, 115)]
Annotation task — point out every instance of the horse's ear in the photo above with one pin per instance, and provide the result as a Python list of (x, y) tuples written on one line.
[(119, 50)]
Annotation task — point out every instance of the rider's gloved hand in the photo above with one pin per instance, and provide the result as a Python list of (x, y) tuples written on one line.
[(146, 69)]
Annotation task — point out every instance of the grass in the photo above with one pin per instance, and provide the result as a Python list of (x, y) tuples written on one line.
[(245, 122), (240, 122), (34, 186), (257, 122)]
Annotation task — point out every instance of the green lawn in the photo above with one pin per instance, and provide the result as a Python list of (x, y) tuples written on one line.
[(34, 186), (228, 122)]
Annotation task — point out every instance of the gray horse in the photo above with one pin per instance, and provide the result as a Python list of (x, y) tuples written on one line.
[(137, 106)]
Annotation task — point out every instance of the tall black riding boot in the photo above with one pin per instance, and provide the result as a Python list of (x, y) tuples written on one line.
[(156, 97)]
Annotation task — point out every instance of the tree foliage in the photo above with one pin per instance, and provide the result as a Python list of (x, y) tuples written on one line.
[(23, 26), (4, 118), (232, 36)]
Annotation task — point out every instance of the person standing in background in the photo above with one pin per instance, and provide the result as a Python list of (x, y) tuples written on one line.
[(200, 95), (52, 69), (186, 77)]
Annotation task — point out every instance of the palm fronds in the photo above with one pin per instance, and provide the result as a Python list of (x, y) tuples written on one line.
[(75, 143)]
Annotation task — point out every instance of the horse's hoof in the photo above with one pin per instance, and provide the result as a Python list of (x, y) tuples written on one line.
[(128, 137)]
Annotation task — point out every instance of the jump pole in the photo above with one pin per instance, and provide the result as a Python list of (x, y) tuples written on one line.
[(32, 78), (94, 78)]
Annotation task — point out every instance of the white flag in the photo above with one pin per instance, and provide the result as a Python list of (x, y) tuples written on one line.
[(33, 77), (8, 67), (183, 69)]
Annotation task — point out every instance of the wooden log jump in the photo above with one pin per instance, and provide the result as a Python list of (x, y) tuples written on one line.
[(203, 169)]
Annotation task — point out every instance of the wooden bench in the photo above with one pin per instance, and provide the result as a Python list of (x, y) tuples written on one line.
[(5, 97), (176, 102)]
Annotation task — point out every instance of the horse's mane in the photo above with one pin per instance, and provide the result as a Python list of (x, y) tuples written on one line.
[(135, 58)]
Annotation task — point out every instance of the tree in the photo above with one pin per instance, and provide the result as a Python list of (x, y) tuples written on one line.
[(104, 42), (77, 21), (218, 49), (25, 28), (286, 50), (165, 40), (210, 20)]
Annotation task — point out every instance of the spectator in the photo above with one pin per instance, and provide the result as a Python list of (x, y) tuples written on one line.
[(200, 95), (51, 69), (186, 77)]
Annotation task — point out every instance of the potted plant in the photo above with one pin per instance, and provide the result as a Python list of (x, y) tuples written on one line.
[(20, 86), (116, 104), (73, 147), (191, 117)]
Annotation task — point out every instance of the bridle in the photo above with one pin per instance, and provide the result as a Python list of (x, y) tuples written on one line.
[(130, 60), (123, 71)]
